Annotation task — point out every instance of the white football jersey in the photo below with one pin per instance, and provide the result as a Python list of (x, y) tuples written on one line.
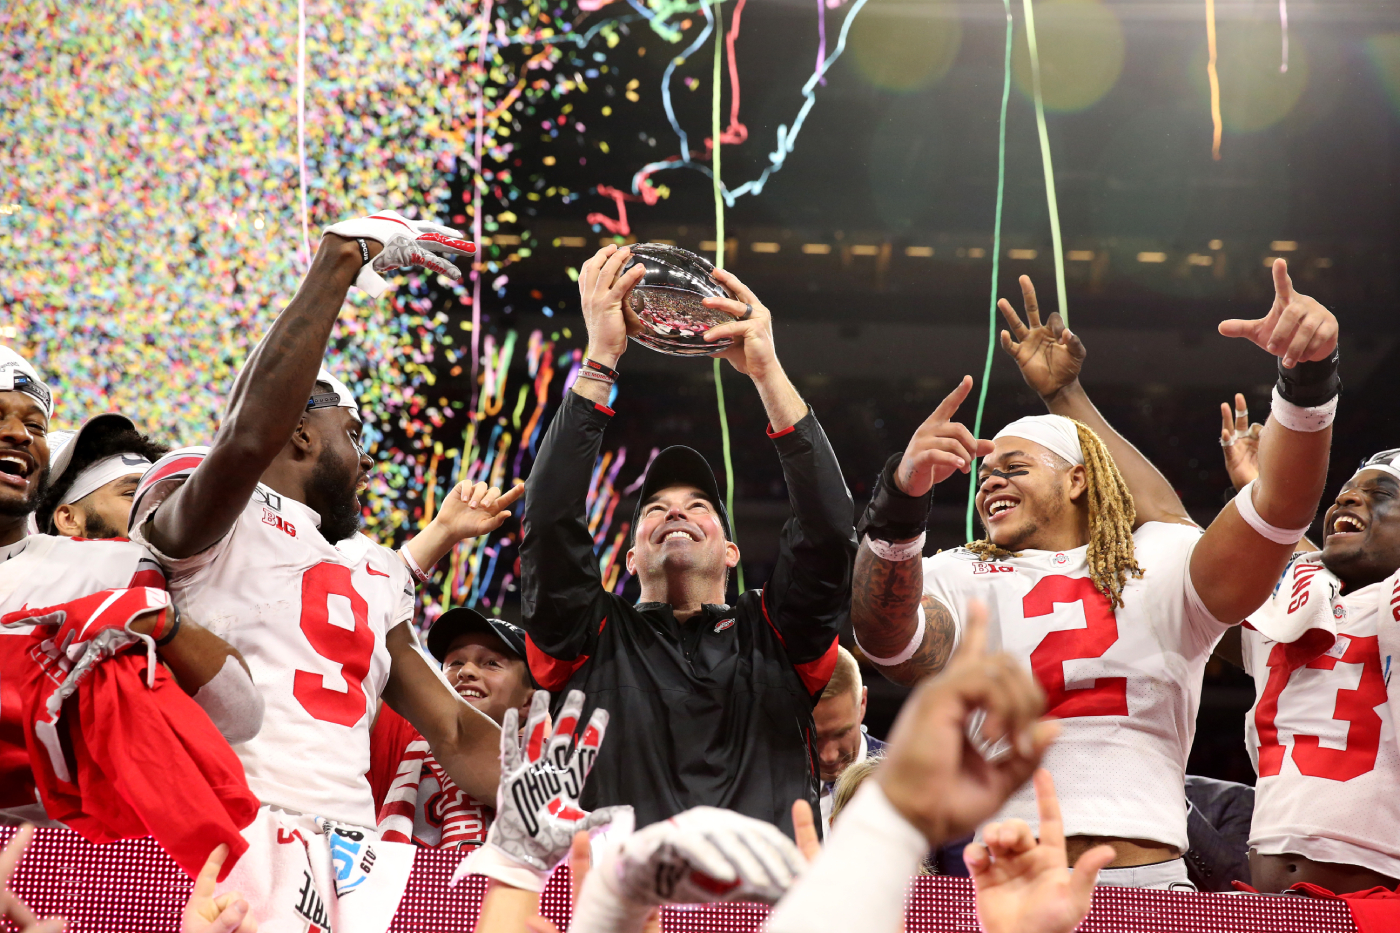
[(1323, 742), (310, 619), (39, 571), (1125, 684)]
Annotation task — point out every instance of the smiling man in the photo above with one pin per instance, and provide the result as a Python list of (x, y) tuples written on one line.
[(713, 701), (1110, 593), (1321, 734), (93, 477)]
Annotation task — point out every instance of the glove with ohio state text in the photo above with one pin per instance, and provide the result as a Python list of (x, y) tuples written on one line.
[(406, 243), (537, 811), (78, 623)]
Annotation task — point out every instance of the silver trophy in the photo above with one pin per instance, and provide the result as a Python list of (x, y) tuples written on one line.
[(667, 301)]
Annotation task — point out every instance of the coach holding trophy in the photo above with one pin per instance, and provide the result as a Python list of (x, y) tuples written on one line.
[(711, 704)]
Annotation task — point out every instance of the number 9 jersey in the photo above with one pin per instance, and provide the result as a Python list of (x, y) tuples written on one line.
[(1124, 683), (310, 619)]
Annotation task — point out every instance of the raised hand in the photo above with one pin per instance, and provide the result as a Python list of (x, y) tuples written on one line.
[(393, 241), (1297, 329), (603, 293), (537, 811), (205, 913), (11, 907), (1048, 354), (1024, 885), (752, 352), (933, 773), (940, 447), (474, 509), (1239, 442)]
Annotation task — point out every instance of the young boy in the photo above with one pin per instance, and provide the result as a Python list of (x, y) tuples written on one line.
[(484, 661)]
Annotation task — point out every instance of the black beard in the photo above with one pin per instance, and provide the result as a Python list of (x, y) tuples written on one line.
[(338, 506), (96, 527), (30, 503)]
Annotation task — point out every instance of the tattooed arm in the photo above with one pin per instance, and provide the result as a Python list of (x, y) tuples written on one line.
[(885, 613)]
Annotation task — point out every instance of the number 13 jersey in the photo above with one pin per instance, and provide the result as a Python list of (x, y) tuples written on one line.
[(1323, 741), (310, 619), (1125, 684)]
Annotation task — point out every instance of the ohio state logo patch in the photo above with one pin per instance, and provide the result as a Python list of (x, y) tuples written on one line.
[(723, 624)]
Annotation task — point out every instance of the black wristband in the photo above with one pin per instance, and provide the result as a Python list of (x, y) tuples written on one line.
[(893, 515), (1309, 385), (597, 367), (364, 250), (169, 636)]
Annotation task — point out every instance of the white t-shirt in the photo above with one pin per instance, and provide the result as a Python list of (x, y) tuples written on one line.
[(310, 620), (1323, 742), (35, 572), (1125, 684)]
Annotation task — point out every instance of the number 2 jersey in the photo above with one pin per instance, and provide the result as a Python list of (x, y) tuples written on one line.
[(1322, 737), (310, 619), (38, 571), (1125, 684)]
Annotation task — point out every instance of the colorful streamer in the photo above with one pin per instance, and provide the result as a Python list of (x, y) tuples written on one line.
[(1054, 209), (996, 266), (1217, 124)]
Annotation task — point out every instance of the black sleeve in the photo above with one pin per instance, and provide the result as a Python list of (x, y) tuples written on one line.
[(561, 596), (808, 597)]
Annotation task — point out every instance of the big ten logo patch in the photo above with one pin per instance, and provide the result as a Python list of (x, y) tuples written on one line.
[(311, 907), (352, 857), (984, 567), (270, 517)]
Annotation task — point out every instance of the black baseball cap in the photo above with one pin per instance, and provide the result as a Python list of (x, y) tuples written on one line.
[(681, 466), (461, 620)]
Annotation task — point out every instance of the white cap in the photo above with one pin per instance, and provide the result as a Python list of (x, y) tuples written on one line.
[(346, 398), (1055, 433), (15, 368)]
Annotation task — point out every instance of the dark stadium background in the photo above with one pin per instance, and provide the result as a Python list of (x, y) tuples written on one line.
[(874, 341)]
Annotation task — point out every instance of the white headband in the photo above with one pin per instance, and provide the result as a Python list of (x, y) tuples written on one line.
[(1383, 467), (103, 472), (347, 398), (15, 368), (1055, 433)]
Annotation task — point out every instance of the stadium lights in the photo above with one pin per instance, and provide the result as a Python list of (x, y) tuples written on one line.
[(1323, 263), (503, 239), (1080, 255), (1200, 259), (764, 247), (1021, 254), (1269, 261), (1151, 256), (572, 242), (816, 249), (1216, 244), (864, 249), (1283, 246), (976, 252), (918, 252)]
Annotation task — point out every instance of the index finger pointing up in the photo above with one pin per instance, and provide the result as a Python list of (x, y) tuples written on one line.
[(1283, 285), (1052, 831), (1032, 306), (949, 406)]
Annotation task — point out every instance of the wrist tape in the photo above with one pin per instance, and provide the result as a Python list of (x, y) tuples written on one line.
[(601, 908), (909, 649), (1304, 420), (1244, 504), (886, 550), (892, 514)]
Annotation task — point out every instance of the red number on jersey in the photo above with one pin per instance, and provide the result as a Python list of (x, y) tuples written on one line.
[(1107, 696), (1357, 707), (350, 648)]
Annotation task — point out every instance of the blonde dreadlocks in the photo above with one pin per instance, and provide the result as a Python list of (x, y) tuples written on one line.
[(1111, 518)]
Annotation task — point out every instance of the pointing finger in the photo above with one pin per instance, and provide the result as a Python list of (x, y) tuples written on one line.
[(1283, 284), (1241, 413), (1013, 320), (1032, 306), (974, 640), (204, 882), (949, 405), (1048, 805)]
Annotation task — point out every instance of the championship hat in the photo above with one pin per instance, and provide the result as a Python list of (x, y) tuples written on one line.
[(461, 620)]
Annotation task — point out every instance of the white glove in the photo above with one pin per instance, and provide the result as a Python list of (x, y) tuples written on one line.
[(406, 243), (700, 856), (537, 811)]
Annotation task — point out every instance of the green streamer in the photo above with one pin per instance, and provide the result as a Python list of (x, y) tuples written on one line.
[(1045, 163), (996, 265), (719, 264)]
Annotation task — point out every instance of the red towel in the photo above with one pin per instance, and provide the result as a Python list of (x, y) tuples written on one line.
[(1375, 910), (145, 761)]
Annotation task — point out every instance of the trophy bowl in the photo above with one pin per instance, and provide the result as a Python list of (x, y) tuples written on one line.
[(667, 301)]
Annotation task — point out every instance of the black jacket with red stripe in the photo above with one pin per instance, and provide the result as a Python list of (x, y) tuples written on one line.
[(715, 711)]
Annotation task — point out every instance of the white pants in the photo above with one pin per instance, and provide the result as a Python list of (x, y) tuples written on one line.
[(1164, 876), (292, 868)]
